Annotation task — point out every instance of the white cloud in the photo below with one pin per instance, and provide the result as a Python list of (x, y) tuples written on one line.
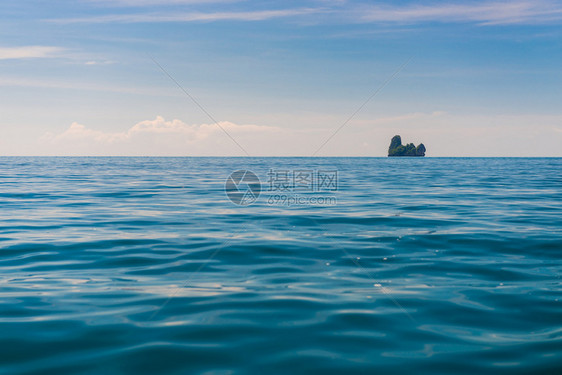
[(158, 127), (99, 62), (27, 52), (78, 131), (189, 17), (143, 3), (86, 86), (483, 12)]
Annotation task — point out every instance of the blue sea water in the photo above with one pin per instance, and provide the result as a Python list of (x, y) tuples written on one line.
[(144, 266)]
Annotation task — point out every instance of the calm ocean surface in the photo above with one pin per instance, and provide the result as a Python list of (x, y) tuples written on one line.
[(144, 266)]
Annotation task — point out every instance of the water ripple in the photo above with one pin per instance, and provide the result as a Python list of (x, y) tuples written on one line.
[(142, 265)]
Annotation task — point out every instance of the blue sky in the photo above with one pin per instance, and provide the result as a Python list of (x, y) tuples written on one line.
[(76, 77)]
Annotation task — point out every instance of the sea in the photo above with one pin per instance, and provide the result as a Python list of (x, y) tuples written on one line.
[(234, 265)]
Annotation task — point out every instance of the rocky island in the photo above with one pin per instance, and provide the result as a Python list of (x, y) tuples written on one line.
[(397, 149)]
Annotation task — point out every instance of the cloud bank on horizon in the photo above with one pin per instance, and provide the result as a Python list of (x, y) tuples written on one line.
[(161, 137), (485, 73)]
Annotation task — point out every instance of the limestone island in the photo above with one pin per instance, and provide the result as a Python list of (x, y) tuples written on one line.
[(397, 149)]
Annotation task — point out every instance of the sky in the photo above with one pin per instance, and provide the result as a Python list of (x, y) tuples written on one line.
[(280, 78)]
